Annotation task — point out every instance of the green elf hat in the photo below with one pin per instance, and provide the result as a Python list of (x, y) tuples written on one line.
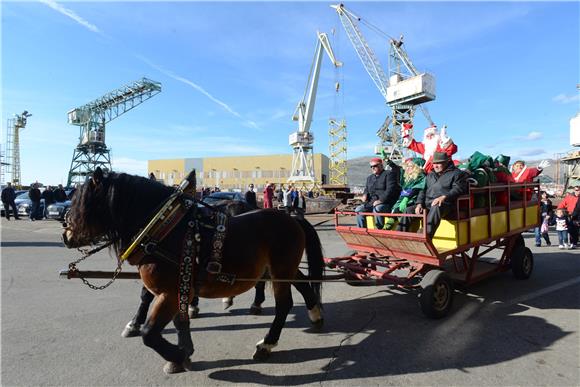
[(418, 161), (503, 160)]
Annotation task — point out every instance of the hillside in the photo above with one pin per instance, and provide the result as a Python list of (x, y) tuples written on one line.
[(358, 170)]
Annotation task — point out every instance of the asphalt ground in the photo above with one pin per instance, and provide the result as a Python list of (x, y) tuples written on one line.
[(502, 331)]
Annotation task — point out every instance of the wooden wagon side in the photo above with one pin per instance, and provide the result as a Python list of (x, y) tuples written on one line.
[(413, 260)]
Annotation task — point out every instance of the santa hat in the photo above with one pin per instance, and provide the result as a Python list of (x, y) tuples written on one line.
[(407, 126), (376, 160), (431, 130)]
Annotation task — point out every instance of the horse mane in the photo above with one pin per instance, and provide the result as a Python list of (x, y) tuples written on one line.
[(118, 206)]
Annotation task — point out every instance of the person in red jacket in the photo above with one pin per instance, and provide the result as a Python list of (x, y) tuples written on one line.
[(524, 174), (268, 195), (572, 204), (433, 141)]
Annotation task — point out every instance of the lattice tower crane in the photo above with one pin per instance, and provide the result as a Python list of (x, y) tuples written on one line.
[(13, 146), (405, 89), (302, 140), (92, 152)]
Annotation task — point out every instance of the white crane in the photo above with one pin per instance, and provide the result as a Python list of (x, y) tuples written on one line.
[(302, 140), (403, 90)]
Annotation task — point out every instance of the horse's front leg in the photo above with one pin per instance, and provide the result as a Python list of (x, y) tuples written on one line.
[(283, 297), (259, 298), (133, 327), (164, 309), (183, 335)]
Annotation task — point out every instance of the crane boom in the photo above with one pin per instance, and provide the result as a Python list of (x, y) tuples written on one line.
[(92, 152), (302, 140), (402, 91), (365, 53)]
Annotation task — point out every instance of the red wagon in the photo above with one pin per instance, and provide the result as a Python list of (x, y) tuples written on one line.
[(458, 252)]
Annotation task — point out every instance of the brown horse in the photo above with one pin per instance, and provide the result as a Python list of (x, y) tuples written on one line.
[(115, 207)]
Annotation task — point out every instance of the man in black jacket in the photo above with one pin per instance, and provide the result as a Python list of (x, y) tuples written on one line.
[(442, 187), (381, 191), (59, 194), (34, 195), (251, 197), (8, 196)]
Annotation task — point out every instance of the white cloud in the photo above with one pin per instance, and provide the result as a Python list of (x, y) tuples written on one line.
[(70, 13), (532, 136), (563, 98), (529, 152), (197, 87)]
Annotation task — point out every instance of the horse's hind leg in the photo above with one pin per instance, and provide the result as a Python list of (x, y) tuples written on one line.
[(133, 327), (283, 297), (163, 311), (311, 298)]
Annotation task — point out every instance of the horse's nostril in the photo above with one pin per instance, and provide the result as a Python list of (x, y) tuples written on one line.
[(64, 224)]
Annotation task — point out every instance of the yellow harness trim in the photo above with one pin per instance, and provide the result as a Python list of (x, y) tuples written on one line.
[(168, 209)]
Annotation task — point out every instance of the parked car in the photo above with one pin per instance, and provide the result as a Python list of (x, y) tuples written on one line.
[(24, 204), (218, 196), (58, 210)]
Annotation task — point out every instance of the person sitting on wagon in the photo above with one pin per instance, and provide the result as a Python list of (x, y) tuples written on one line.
[(381, 191), (413, 181), (442, 188)]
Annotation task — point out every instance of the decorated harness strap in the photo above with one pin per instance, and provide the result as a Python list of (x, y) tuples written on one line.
[(214, 266), (186, 271)]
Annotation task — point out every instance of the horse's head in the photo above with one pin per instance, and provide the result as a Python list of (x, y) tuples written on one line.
[(89, 219)]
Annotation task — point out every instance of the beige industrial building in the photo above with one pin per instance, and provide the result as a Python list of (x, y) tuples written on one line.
[(234, 172)]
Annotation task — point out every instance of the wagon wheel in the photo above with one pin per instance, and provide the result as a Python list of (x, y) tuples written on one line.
[(522, 261), (436, 297)]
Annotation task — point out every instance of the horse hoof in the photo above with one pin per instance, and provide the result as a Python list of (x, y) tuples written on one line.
[(261, 354), (175, 368), (255, 309), (193, 311), (318, 324), (228, 302), (131, 330)]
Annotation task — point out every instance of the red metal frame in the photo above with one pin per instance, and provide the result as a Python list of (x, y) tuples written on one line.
[(381, 253)]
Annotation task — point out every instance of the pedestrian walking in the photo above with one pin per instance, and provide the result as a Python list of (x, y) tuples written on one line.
[(8, 197), (546, 210)]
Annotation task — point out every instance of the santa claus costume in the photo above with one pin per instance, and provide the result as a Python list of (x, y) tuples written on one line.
[(432, 142)]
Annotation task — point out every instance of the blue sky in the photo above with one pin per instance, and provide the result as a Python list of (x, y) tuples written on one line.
[(232, 74)]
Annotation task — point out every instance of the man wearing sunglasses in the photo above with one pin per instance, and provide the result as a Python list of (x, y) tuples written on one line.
[(382, 190)]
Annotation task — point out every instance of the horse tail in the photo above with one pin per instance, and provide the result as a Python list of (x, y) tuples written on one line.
[(313, 255)]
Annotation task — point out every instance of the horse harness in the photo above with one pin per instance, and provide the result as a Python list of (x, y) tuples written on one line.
[(202, 225)]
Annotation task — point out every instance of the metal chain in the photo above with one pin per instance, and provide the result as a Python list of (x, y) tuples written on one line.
[(72, 267)]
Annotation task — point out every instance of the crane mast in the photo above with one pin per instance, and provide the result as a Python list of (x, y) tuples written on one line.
[(405, 89), (302, 140), (13, 146), (92, 152)]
